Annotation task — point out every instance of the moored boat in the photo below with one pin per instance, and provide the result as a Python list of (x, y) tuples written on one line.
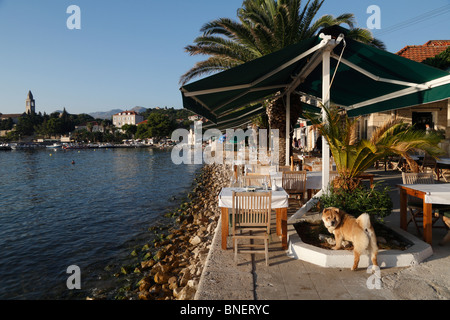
[(55, 146)]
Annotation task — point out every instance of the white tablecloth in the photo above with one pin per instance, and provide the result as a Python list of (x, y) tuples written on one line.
[(313, 179), (445, 161), (434, 193), (279, 198)]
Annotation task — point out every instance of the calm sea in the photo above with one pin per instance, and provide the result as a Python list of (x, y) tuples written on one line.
[(54, 214)]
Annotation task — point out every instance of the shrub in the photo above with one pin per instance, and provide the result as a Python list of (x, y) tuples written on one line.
[(374, 201)]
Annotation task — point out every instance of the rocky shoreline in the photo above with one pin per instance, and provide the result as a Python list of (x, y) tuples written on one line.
[(170, 268)]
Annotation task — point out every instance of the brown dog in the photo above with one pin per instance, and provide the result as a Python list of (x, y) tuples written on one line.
[(359, 231)]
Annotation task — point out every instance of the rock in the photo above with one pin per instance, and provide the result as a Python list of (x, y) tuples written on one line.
[(145, 295), (187, 293), (323, 237), (185, 278), (160, 254), (145, 284), (182, 253), (173, 283), (381, 240), (346, 244), (195, 240), (161, 278)]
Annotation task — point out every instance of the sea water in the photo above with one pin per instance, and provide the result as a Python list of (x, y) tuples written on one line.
[(78, 207)]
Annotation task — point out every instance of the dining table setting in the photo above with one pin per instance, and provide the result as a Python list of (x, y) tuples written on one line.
[(279, 200)]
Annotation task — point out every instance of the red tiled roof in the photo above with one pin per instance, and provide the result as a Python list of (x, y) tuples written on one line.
[(126, 113), (420, 53)]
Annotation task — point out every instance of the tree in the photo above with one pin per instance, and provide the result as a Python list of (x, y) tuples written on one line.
[(129, 129), (160, 125), (440, 61), (265, 26), (6, 124), (353, 156)]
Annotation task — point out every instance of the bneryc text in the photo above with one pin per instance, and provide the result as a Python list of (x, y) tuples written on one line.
[(228, 309)]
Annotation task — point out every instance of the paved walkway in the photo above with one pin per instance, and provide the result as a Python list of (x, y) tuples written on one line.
[(290, 279)]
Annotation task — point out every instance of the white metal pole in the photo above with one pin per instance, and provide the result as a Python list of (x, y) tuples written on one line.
[(326, 103), (288, 127)]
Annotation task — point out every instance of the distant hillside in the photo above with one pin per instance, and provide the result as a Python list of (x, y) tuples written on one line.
[(108, 114), (139, 109), (104, 114)]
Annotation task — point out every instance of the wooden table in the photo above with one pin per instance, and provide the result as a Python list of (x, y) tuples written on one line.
[(430, 194), (279, 203), (441, 165)]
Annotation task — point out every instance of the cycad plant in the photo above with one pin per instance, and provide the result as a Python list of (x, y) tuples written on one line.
[(353, 156)]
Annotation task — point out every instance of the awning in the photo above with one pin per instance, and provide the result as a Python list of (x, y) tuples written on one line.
[(329, 67), (218, 97), (368, 80)]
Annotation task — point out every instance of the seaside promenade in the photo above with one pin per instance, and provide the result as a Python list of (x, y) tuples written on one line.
[(287, 278)]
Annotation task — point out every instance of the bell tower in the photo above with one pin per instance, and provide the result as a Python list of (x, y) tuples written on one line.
[(30, 103)]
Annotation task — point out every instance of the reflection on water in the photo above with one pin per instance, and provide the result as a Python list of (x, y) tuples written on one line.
[(54, 213)]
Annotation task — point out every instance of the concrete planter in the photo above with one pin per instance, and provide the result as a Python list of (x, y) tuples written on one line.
[(415, 254)]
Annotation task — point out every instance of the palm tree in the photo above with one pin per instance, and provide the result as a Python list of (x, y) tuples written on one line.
[(263, 27), (353, 156)]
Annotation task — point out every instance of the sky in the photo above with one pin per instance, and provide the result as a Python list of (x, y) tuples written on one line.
[(131, 53)]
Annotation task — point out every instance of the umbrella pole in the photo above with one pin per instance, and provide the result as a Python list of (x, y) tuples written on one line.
[(288, 125)]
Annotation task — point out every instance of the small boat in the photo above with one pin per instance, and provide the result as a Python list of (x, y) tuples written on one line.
[(23, 146), (55, 146), (106, 145), (75, 146)]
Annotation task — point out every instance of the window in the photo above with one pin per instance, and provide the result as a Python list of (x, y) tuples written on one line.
[(420, 120)]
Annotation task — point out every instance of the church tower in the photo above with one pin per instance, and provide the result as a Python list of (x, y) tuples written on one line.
[(30, 104)]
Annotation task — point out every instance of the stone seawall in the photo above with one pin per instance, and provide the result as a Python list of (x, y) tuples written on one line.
[(173, 273)]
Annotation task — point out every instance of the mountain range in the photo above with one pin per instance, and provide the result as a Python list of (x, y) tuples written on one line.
[(109, 114)]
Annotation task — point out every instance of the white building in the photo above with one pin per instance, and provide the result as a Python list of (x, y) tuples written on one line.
[(126, 117)]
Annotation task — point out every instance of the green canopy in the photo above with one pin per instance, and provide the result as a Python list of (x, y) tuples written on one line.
[(367, 80)]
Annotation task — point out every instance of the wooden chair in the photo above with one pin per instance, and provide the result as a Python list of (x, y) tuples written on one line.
[(253, 179), (415, 206), (251, 213), (446, 219), (294, 182), (284, 168), (428, 163)]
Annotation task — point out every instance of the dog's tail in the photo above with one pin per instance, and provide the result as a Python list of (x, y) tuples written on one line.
[(364, 222)]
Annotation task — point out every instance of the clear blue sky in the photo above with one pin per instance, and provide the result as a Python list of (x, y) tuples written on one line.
[(131, 53)]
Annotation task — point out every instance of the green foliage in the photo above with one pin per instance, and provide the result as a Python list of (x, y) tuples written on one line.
[(353, 156), (6, 124), (161, 122), (263, 27), (374, 201), (48, 125), (130, 129), (440, 61)]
